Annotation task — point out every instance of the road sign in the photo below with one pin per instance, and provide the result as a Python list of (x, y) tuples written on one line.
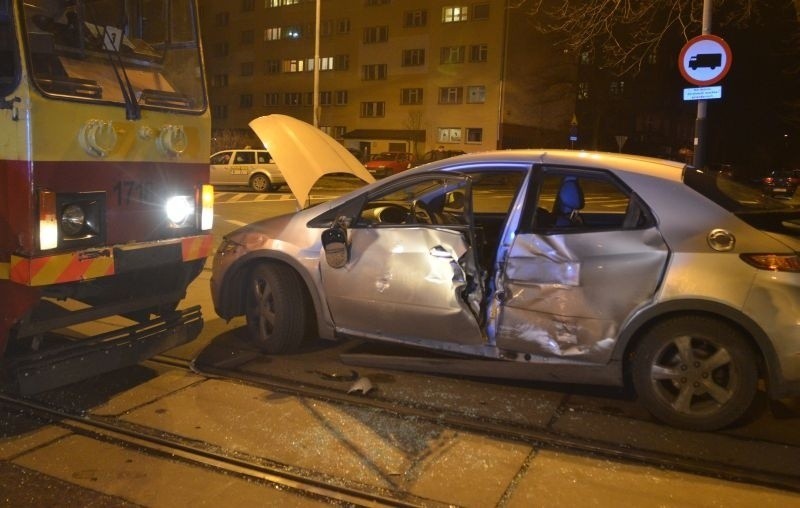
[(705, 59)]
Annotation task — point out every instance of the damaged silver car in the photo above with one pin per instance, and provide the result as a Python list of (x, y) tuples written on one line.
[(554, 265)]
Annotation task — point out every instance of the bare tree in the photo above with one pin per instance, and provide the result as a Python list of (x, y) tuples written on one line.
[(626, 31)]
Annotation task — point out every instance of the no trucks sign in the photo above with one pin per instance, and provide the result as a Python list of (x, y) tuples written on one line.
[(705, 60)]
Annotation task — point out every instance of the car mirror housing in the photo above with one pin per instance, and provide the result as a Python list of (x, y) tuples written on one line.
[(334, 242)]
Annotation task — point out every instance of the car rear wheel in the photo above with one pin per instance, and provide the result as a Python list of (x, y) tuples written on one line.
[(275, 310), (695, 372), (261, 183)]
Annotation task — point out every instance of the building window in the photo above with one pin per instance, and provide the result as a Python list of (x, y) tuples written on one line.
[(410, 96), (476, 94), (480, 11), (341, 62), (221, 49), (343, 26), (294, 65), (326, 28), (370, 3), (334, 131), (583, 91), (246, 100), (451, 95), (272, 66), (373, 34), (617, 88), (272, 99), (449, 135), (272, 33), (247, 37), (451, 55), (413, 57), (586, 57), (325, 98), (474, 135), (479, 53), (280, 3), (222, 19), (372, 109), (308, 99), (219, 112), (292, 98), (415, 18), (455, 14), (219, 80), (247, 69), (326, 63), (340, 97), (248, 5), (373, 72)]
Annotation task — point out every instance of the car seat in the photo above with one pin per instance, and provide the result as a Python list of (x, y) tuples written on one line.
[(569, 202)]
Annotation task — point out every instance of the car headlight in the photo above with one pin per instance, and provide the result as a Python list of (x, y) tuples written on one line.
[(180, 211)]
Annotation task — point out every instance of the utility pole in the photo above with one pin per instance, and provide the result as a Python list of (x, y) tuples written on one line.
[(316, 65), (700, 125)]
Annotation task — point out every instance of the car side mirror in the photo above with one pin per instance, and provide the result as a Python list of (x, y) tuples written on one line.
[(334, 242)]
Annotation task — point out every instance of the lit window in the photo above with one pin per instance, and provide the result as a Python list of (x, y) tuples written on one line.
[(583, 91), (454, 14), (293, 65), (449, 135), (272, 34)]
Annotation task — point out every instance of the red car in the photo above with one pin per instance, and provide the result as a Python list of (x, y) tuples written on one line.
[(389, 163), (781, 182)]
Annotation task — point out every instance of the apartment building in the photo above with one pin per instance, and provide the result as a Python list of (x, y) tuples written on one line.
[(398, 75)]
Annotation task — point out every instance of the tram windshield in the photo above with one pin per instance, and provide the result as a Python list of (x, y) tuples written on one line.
[(138, 53)]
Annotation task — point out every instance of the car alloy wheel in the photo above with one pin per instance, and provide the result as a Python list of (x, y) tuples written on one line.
[(275, 308), (695, 372)]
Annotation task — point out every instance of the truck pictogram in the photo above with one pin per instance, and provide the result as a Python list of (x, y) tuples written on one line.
[(711, 60)]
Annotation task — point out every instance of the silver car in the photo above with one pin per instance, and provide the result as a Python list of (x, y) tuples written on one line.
[(245, 166), (554, 265)]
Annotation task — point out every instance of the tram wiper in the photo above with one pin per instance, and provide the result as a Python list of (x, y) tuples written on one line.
[(111, 45)]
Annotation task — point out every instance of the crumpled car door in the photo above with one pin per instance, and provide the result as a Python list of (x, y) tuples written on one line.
[(407, 282), (566, 293)]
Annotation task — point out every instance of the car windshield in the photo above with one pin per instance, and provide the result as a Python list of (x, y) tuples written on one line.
[(385, 156)]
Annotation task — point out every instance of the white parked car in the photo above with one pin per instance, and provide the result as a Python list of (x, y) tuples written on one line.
[(254, 168), (555, 265)]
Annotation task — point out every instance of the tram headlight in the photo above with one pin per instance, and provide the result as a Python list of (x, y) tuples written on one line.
[(73, 220), (180, 211)]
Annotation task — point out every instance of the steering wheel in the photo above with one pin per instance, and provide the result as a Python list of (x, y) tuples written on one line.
[(420, 214)]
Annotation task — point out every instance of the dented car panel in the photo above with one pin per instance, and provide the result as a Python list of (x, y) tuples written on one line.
[(565, 265), (563, 295), (415, 275)]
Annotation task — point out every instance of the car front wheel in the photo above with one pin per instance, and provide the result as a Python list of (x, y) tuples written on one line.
[(695, 373), (275, 311), (260, 183)]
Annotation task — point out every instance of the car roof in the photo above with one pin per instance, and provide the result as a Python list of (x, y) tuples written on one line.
[(671, 170)]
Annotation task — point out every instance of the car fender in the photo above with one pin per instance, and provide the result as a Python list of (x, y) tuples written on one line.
[(640, 322), (234, 300)]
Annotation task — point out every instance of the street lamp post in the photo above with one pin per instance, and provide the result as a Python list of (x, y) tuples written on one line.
[(700, 126), (316, 63)]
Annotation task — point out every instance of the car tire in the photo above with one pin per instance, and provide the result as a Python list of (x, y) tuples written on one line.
[(260, 183), (275, 308), (695, 372)]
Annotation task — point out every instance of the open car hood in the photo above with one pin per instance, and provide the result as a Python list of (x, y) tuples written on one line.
[(304, 153)]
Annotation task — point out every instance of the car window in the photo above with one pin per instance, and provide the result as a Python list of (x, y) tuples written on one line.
[(264, 158), (579, 202), (493, 192), (245, 158), (438, 200), (221, 158)]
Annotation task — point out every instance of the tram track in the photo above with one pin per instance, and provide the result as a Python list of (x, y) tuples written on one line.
[(342, 492), (535, 436)]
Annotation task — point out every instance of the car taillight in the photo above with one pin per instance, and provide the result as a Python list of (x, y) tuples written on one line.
[(768, 180), (773, 262)]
